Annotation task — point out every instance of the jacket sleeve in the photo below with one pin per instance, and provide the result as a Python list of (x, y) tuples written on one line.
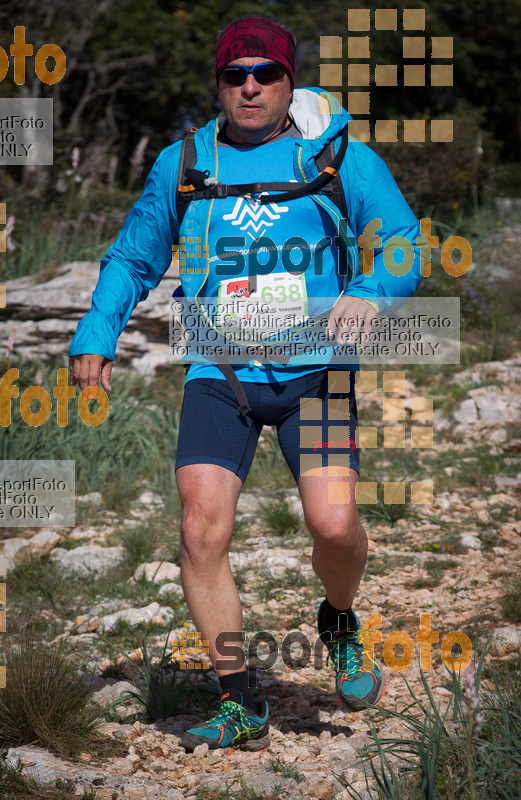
[(377, 197), (135, 263)]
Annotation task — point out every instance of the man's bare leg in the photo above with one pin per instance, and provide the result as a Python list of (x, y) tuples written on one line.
[(339, 556), (209, 495), (339, 539)]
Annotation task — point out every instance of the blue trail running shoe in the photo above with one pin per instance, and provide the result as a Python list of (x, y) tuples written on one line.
[(233, 726), (355, 685)]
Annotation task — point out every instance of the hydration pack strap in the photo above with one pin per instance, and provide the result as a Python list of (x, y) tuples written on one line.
[(216, 189), (234, 383)]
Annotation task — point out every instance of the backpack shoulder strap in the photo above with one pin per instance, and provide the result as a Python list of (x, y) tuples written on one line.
[(187, 160), (334, 190)]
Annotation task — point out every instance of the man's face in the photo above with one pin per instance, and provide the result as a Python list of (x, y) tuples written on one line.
[(254, 112)]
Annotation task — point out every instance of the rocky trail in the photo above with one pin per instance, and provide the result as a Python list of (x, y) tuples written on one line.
[(449, 562)]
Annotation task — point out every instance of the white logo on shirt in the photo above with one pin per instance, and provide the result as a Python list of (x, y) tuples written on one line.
[(256, 216)]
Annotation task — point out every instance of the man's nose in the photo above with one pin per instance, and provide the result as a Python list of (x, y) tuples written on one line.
[(250, 86)]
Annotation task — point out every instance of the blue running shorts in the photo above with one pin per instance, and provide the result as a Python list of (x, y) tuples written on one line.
[(315, 416)]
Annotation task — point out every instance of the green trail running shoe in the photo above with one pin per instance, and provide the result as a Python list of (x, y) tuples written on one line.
[(355, 685), (233, 726)]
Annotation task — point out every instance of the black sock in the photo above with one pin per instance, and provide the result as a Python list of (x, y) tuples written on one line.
[(235, 685), (331, 617)]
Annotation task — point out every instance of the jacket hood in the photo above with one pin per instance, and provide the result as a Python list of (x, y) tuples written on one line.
[(317, 115)]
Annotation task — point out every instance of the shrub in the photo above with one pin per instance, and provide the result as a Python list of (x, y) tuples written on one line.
[(471, 750), (44, 700), (161, 691), (279, 518)]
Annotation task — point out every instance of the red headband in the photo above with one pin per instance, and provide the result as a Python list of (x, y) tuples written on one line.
[(256, 36)]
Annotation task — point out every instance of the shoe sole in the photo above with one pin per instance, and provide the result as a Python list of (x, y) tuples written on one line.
[(359, 705), (190, 742), (254, 744)]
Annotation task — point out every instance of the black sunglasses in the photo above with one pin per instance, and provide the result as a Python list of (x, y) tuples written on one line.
[(263, 74)]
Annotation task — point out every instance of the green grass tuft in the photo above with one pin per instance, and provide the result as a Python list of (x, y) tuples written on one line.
[(279, 518), (44, 700), (511, 599), (288, 770), (468, 750), (15, 786), (164, 690), (139, 542)]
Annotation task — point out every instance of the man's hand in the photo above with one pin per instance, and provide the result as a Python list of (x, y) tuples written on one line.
[(350, 315), (85, 371)]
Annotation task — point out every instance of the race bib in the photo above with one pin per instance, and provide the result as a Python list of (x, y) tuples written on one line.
[(256, 310)]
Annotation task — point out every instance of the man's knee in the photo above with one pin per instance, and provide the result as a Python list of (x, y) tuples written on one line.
[(342, 530), (204, 536)]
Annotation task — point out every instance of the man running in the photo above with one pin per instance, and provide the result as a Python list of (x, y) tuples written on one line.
[(268, 132)]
